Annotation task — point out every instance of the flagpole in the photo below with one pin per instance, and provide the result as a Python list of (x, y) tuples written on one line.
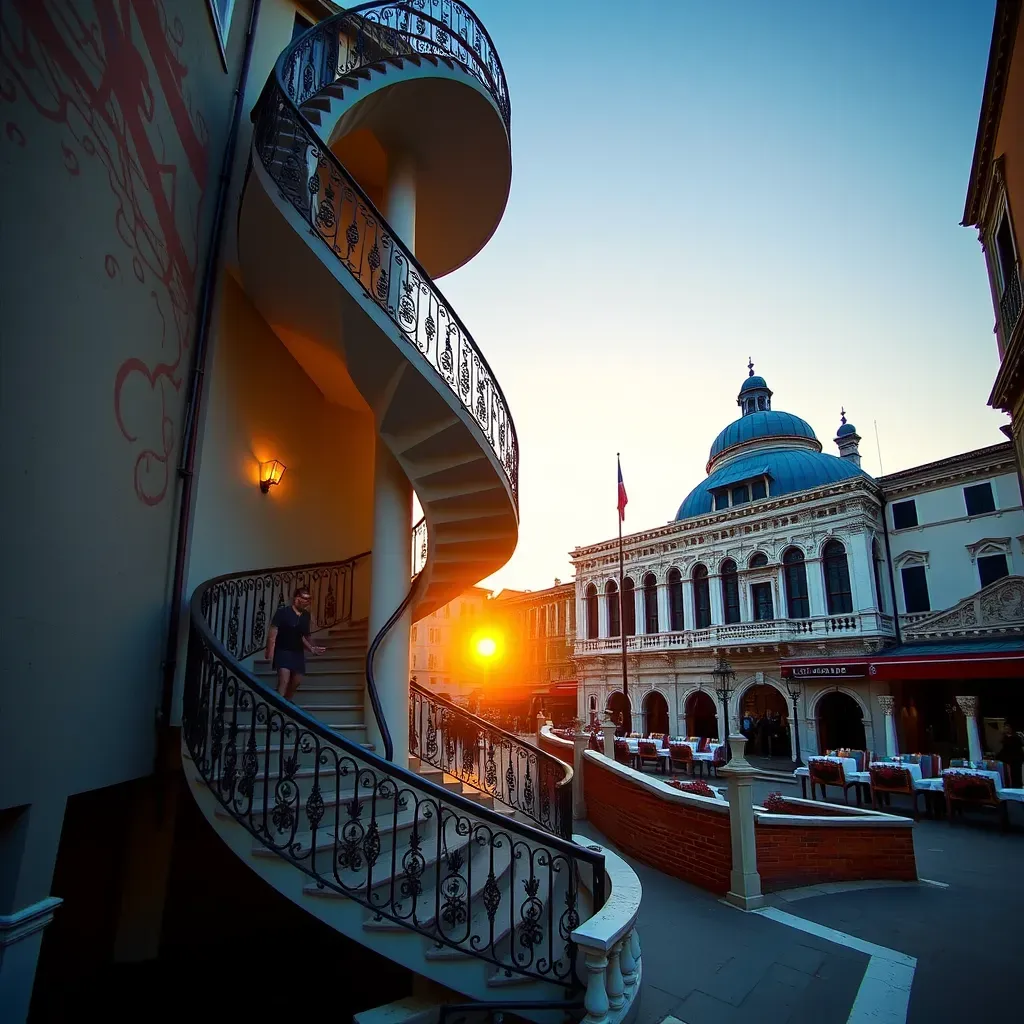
[(622, 617)]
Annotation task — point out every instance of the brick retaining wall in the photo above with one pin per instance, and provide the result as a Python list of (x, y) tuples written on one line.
[(667, 829)]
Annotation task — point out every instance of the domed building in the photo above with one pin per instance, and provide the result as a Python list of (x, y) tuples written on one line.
[(778, 552)]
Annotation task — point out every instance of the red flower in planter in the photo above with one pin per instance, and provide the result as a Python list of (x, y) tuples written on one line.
[(889, 775), (775, 802), (699, 787), (828, 772), (968, 787)]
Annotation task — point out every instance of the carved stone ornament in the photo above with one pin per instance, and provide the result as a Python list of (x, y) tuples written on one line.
[(996, 610), (968, 705), (885, 702)]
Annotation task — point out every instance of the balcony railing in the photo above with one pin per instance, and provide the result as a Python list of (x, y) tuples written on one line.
[(738, 633), (1010, 305)]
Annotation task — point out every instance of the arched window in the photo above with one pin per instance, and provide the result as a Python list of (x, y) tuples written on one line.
[(611, 592), (701, 597), (676, 622), (795, 573), (838, 598), (758, 560), (629, 605), (730, 591), (590, 600), (876, 565), (533, 623), (651, 603)]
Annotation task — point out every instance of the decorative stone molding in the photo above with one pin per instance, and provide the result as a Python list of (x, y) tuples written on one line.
[(997, 610), (910, 558), (968, 705), (27, 921), (989, 546), (885, 702)]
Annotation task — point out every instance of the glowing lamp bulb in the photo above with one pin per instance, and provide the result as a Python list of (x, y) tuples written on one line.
[(486, 647)]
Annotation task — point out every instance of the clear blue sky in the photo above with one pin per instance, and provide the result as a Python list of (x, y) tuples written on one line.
[(696, 182)]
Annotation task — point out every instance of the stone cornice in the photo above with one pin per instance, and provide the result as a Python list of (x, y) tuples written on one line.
[(27, 921), (995, 460), (858, 495), (1009, 382), (1000, 56)]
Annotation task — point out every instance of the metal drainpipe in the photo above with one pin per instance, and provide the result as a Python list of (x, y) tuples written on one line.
[(892, 578), (200, 350)]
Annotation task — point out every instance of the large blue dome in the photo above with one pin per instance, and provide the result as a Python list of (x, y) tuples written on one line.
[(789, 470), (761, 424)]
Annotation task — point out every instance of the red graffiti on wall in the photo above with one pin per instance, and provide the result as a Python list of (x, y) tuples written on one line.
[(116, 81)]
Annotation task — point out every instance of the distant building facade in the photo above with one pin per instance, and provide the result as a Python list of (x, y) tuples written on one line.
[(995, 205), (441, 646), (779, 561)]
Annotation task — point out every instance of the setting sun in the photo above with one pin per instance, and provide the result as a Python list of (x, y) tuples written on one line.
[(486, 647)]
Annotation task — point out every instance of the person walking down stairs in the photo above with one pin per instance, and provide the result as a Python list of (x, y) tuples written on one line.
[(287, 643)]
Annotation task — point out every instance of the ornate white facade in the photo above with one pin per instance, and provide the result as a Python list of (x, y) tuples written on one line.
[(798, 571)]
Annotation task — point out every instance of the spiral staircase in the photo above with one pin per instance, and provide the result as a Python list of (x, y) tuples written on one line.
[(461, 864)]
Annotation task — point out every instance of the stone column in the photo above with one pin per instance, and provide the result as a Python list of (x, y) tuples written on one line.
[(969, 706), (862, 586), (885, 702), (744, 880), (689, 614), (608, 731), (389, 585), (664, 613), (603, 620), (581, 741), (815, 587), (717, 605), (639, 611)]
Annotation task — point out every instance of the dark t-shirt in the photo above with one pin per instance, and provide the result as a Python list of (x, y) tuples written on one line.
[(291, 628)]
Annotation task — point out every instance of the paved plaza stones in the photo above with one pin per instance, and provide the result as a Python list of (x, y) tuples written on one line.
[(707, 963)]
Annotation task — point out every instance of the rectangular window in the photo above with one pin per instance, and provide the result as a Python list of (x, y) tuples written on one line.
[(721, 500), (761, 597), (904, 514), (992, 568), (220, 11), (758, 490), (979, 499), (741, 495), (414, 634), (301, 25), (1006, 257), (915, 589)]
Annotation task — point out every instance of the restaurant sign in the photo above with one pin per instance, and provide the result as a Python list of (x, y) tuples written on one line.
[(827, 672)]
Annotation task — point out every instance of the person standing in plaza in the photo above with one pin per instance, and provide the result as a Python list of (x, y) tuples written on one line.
[(288, 641)]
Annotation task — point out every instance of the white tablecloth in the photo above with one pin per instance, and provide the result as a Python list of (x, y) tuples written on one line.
[(848, 763), (996, 777), (914, 769)]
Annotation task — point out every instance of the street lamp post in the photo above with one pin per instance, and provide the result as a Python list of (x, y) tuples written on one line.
[(724, 677), (793, 689)]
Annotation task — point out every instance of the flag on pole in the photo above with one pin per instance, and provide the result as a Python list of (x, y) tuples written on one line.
[(623, 500)]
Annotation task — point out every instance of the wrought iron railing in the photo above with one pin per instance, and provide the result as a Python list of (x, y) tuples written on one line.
[(491, 760), (413, 853), (340, 213), (1010, 304)]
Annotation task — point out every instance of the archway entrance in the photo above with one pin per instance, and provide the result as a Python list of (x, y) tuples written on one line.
[(656, 713), (622, 714), (702, 716), (840, 723), (764, 720)]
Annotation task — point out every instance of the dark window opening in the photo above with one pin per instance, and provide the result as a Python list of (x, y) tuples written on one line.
[(904, 514), (730, 592), (592, 616), (992, 568), (741, 495), (650, 604), (795, 570), (837, 579), (979, 499), (758, 490), (701, 597), (612, 594), (758, 560), (761, 595), (629, 606), (915, 589), (1005, 255), (721, 500), (675, 601), (301, 25)]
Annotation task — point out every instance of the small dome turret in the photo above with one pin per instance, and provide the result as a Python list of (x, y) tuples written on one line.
[(755, 395), (848, 440)]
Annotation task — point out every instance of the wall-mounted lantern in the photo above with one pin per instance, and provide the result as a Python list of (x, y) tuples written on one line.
[(270, 474)]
